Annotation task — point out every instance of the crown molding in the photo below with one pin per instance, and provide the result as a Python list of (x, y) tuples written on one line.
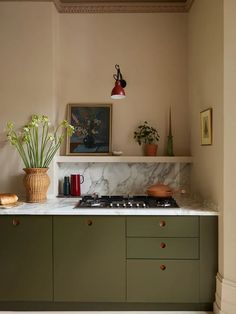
[(122, 7), (188, 5), (119, 6)]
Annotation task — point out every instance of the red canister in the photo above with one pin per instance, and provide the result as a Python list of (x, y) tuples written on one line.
[(76, 180)]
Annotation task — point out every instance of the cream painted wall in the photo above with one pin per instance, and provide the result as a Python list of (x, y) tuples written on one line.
[(205, 46), (151, 50), (226, 281), (26, 76), (48, 60), (229, 271)]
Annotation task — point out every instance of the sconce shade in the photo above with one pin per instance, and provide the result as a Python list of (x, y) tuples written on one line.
[(117, 92)]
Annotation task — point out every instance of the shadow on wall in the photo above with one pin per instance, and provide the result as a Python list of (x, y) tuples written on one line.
[(11, 179)]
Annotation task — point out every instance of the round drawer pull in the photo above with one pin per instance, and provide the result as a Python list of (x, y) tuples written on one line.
[(162, 245), (162, 223), (89, 222), (15, 222), (162, 267)]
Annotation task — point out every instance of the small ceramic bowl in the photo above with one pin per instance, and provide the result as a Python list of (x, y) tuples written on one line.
[(117, 153)]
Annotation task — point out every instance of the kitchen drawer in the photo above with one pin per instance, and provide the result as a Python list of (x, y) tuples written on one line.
[(170, 281), (174, 248), (163, 226)]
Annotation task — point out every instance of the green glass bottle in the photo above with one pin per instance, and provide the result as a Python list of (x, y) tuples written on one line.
[(170, 150)]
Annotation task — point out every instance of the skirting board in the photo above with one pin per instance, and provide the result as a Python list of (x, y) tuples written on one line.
[(225, 302), (123, 312)]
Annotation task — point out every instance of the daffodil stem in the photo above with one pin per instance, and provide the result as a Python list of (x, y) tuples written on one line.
[(35, 146)]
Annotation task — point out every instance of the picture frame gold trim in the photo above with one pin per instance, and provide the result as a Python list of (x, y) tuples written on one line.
[(206, 127), (92, 120)]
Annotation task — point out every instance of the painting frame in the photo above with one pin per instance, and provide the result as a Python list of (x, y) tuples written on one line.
[(93, 129), (206, 127)]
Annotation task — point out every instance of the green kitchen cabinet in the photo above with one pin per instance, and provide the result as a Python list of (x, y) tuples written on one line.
[(163, 226), (26, 258), (89, 259), (129, 263), (180, 248), (164, 281), (208, 258), (171, 259)]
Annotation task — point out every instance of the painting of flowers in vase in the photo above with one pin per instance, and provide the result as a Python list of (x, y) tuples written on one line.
[(92, 125)]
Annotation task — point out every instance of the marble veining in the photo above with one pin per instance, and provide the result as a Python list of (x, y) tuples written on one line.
[(66, 206), (125, 178)]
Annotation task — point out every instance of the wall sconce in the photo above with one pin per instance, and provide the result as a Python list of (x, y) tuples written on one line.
[(118, 91)]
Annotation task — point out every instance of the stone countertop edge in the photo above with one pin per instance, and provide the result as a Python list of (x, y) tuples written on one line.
[(66, 206)]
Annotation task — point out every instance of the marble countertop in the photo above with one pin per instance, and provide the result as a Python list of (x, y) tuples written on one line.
[(66, 206)]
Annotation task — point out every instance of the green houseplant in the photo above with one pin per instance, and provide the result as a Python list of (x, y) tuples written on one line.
[(149, 136), (37, 143)]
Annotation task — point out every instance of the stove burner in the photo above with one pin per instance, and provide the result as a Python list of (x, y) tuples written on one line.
[(122, 201)]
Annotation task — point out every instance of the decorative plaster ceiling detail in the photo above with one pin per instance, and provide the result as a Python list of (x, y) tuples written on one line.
[(111, 6)]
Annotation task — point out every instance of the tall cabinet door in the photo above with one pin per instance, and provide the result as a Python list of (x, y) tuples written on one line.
[(26, 258), (89, 259)]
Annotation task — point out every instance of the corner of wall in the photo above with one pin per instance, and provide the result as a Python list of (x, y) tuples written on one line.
[(225, 302)]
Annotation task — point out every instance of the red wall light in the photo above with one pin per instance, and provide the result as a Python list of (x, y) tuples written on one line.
[(118, 91)]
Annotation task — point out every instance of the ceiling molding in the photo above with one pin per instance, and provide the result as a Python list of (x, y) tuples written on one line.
[(83, 6), (188, 5), (119, 6)]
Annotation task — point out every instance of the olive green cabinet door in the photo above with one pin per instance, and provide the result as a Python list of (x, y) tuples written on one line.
[(25, 258), (165, 281), (89, 259)]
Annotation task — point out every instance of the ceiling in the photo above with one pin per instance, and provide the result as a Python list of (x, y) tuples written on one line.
[(120, 6)]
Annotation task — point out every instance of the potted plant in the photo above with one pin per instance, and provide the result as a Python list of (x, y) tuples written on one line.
[(149, 136), (37, 144)]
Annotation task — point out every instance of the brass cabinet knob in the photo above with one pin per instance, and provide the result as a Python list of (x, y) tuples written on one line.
[(162, 245), (89, 222), (15, 222), (162, 267), (162, 223)]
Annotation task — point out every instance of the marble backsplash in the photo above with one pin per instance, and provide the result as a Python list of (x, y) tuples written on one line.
[(125, 178)]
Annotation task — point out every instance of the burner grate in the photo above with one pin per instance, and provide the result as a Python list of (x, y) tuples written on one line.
[(125, 201)]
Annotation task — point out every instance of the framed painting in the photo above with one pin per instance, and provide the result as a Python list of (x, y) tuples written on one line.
[(206, 127), (92, 123)]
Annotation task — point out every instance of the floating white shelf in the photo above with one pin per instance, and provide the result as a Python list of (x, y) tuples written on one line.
[(124, 159)]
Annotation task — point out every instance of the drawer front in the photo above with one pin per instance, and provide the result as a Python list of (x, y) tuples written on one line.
[(165, 226), (174, 248), (163, 281)]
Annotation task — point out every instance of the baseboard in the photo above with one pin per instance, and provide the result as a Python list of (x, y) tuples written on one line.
[(123, 312), (225, 300)]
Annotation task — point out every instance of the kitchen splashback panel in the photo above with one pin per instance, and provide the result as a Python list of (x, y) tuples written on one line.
[(125, 178)]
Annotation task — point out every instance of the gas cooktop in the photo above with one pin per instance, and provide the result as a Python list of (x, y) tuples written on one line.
[(121, 201)]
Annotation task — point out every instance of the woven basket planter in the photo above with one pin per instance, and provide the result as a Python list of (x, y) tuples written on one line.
[(36, 182)]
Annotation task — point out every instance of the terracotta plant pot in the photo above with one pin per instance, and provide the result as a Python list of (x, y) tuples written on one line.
[(151, 149), (36, 182)]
